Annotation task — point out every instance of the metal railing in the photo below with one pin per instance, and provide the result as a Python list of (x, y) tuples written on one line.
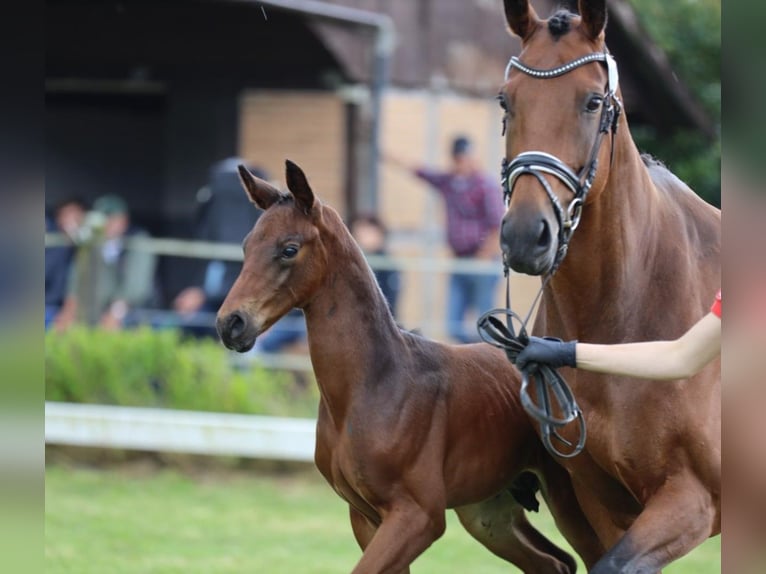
[(233, 252), (430, 322), (192, 432)]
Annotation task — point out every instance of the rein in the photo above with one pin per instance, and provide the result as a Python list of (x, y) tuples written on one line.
[(549, 384)]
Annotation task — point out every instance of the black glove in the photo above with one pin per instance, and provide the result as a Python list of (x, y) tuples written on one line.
[(549, 351)]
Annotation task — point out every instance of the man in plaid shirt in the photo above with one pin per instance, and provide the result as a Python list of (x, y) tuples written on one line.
[(475, 209)]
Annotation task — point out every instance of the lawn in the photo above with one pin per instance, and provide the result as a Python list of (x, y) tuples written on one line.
[(139, 520)]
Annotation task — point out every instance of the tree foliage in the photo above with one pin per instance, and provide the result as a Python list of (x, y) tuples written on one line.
[(689, 31)]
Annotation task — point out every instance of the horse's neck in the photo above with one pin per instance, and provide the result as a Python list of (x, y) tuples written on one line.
[(350, 329), (607, 287)]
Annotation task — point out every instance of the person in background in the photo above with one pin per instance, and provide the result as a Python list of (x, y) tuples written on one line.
[(123, 279), (474, 211), (669, 360), (371, 235), (224, 215), (67, 218)]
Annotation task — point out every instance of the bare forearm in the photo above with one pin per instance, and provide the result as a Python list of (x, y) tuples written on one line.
[(676, 359)]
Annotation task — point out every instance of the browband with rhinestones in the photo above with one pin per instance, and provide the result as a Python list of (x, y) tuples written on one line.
[(553, 72)]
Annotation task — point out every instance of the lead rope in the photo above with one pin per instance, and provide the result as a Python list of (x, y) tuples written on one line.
[(549, 384)]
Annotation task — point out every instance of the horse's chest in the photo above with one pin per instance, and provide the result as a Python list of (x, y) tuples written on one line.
[(339, 462)]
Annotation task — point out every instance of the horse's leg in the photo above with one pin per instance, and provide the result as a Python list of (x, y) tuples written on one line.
[(500, 524), (568, 514), (363, 529), (679, 517), (405, 532)]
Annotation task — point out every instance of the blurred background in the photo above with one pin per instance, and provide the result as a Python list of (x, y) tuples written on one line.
[(149, 106)]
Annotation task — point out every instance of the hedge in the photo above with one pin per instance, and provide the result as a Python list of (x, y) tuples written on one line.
[(150, 368)]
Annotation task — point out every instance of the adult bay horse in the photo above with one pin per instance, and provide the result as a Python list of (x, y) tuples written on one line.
[(642, 265), (407, 427)]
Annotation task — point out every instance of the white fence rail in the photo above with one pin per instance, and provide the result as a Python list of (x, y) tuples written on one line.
[(189, 432)]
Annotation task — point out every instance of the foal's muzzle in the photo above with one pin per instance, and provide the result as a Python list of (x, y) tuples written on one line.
[(237, 331)]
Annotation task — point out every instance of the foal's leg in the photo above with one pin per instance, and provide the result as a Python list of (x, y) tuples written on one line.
[(678, 518), (405, 532), (364, 530), (500, 524)]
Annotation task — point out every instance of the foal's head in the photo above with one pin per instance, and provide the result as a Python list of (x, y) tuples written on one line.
[(285, 259), (557, 113)]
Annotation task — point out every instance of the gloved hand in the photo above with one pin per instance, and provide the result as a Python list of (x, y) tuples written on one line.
[(549, 351)]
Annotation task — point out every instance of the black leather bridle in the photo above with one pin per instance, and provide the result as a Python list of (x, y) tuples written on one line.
[(550, 385), (539, 163)]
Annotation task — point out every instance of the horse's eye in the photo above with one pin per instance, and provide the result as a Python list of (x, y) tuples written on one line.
[(594, 103), (289, 252)]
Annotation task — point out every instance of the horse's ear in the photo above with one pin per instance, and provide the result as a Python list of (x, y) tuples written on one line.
[(521, 17), (593, 13), (260, 192), (299, 187)]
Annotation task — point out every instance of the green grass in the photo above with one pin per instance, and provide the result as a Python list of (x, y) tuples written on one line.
[(147, 521)]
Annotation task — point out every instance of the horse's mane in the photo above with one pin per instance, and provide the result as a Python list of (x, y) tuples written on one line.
[(661, 176)]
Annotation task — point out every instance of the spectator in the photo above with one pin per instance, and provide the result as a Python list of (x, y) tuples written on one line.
[(474, 211), (224, 215), (371, 235), (67, 218), (122, 279)]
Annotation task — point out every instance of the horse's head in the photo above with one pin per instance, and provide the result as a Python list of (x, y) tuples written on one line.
[(560, 105), (284, 259)]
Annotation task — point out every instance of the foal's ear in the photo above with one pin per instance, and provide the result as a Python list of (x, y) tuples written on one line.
[(593, 13), (260, 192), (521, 17), (299, 187)]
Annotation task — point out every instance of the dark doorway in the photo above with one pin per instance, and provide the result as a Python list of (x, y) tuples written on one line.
[(106, 143)]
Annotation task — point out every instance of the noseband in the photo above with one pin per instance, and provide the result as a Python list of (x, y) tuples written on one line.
[(539, 163)]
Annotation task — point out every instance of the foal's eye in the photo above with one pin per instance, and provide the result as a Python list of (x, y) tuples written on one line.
[(289, 252), (594, 103), (501, 100)]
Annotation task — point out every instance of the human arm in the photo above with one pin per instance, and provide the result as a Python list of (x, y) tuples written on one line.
[(189, 300), (434, 177), (676, 359)]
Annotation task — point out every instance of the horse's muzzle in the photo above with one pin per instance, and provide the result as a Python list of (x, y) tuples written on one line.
[(528, 244), (237, 331)]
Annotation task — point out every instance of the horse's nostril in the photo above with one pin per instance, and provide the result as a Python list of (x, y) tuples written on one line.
[(544, 239), (236, 325)]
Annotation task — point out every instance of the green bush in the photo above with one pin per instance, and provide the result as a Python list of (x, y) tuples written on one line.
[(148, 368)]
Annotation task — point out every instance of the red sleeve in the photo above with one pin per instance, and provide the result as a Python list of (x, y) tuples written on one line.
[(716, 308)]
